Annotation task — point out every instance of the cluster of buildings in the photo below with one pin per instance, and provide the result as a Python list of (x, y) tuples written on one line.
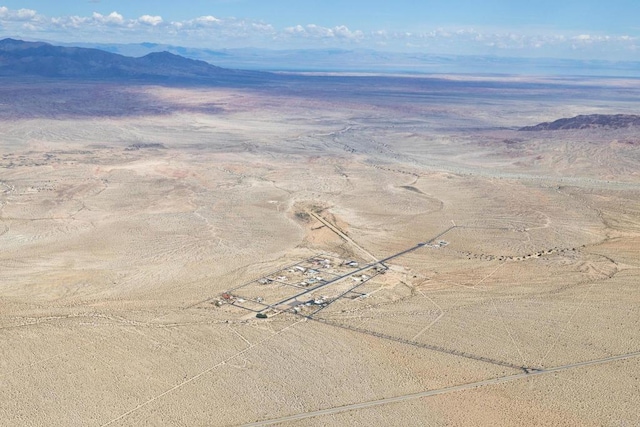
[(290, 285)]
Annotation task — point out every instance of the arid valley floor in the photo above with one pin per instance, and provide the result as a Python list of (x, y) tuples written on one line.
[(126, 211)]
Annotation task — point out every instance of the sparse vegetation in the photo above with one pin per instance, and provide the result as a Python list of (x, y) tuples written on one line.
[(118, 265), (303, 216)]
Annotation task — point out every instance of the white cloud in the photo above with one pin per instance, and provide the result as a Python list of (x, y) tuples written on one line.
[(344, 32), (218, 32), (298, 29), (70, 21), (263, 27), (7, 14), (312, 31), (114, 18), (150, 20), (208, 19), (25, 14)]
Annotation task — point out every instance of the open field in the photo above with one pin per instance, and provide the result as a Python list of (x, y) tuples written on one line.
[(126, 212)]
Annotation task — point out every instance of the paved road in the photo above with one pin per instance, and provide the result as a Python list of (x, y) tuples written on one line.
[(344, 276), (398, 399), (418, 344)]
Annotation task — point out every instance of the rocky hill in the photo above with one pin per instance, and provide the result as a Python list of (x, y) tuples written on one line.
[(591, 121)]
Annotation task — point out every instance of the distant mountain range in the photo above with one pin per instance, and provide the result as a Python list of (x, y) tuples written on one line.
[(20, 58), (151, 61), (590, 121), (366, 60)]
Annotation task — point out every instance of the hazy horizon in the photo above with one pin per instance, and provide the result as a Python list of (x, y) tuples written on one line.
[(571, 30)]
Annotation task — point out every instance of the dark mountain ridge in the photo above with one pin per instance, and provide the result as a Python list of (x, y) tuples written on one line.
[(590, 121), (19, 58)]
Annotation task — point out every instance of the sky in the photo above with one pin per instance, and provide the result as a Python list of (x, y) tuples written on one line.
[(584, 29)]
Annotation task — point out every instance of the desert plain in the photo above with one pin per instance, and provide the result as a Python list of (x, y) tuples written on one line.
[(127, 211)]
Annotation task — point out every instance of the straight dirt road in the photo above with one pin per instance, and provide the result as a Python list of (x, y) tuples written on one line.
[(398, 399)]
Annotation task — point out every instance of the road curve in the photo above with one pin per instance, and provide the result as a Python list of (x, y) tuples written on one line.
[(397, 399)]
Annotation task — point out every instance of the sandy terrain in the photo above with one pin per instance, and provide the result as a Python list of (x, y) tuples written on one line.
[(125, 212)]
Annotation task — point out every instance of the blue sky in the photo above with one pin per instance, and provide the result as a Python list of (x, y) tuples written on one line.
[(591, 29)]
